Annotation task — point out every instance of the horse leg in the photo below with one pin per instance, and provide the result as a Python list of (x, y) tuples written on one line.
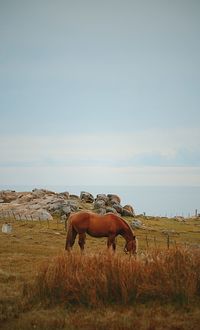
[(70, 241), (81, 241), (111, 242)]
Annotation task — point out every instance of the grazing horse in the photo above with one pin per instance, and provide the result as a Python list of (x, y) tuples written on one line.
[(109, 225)]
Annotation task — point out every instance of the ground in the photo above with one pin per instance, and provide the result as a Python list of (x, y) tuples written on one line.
[(31, 243)]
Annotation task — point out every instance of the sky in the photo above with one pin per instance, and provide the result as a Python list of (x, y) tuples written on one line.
[(100, 92)]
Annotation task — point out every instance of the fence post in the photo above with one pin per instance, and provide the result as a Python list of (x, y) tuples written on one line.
[(168, 241)]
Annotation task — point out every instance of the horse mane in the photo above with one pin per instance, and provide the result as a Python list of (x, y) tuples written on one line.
[(127, 225)]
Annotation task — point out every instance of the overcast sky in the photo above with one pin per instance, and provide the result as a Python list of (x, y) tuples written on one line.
[(100, 92)]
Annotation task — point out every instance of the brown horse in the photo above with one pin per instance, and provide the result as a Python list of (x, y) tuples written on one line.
[(109, 225)]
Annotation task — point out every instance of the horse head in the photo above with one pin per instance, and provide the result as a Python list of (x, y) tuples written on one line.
[(131, 246)]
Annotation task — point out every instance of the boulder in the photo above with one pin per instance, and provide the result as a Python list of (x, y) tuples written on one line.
[(86, 197), (102, 197), (64, 194), (98, 204), (118, 208), (110, 210), (67, 210), (136, 224), (101, 211), (8, 196), (72, 196), (114, 199), (43, 215), (128, 211), (42, 192)]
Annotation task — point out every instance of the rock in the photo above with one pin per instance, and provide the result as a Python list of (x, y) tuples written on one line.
[(67, 210), (101, 211), (86, 197), (136, 224), (6, 228), (72, 196), (64, 194), (8, 196), (118, 208), (43, 215), (63, 218), (128, 211), (128, 208), (114, 199), (110, 210), (42, 192), (102, 197), (25, 198), (98, 204)]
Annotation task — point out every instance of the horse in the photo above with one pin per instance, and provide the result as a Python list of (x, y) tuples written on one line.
[(109, 225)]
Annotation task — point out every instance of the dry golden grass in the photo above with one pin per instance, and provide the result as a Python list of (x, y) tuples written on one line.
[(95, 280)]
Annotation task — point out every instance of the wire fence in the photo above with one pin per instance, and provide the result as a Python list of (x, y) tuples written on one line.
[(146, 239)]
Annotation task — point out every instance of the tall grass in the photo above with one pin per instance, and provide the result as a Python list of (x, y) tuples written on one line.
[(92, 280)]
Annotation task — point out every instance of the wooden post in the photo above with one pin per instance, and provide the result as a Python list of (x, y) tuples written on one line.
[(168, 241)]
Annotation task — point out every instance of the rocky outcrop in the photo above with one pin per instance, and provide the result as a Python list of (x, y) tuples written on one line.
[(42, 204), (111, 203)]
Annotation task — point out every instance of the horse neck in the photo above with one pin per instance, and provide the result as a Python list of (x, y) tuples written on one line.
[(127, 232)]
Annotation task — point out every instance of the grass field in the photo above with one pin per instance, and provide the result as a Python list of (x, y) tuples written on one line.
[(33, 248)]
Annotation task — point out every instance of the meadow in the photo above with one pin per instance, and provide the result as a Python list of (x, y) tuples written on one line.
[(42, 287)]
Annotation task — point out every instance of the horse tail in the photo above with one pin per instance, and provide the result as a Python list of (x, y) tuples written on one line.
[(69, 234)]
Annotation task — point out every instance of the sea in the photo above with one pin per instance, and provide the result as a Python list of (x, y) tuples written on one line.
[(151, 200)]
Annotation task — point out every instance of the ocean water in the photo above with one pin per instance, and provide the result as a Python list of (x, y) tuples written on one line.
[(153, 200)]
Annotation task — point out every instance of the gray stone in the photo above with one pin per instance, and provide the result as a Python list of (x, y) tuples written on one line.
[(118, 208), (110, 210), (98, 204), (67, 210), (43, 215), (72, 196), (114, 199), (86, 197), (102, 197), (64, 194), (101, 211), (128, 211), (136, 224)]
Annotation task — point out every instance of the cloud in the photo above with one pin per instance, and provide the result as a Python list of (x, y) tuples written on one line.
[(99, 175), (178, 147)]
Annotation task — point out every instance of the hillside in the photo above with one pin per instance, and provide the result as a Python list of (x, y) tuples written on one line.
[(34, 242)]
